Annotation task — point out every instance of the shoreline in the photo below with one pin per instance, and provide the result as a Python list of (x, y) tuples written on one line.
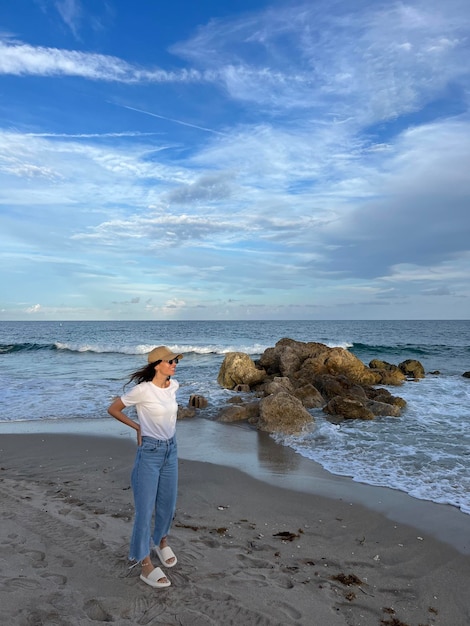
[(249, 552), (260, 457)]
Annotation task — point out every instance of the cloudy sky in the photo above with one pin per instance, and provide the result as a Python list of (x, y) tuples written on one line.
[(254, 159)]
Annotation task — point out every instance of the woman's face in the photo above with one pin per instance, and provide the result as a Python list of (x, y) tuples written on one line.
[(167, 368)]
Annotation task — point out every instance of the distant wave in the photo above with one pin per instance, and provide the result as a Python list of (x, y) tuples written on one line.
[(404, 349), (98, 348), (8, 348), (400, 352), (254, 349)]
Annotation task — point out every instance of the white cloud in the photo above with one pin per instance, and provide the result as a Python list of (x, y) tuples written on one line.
[(33, 309), (26, 170), (71, 12), (22, 59), (448, 272), (419, 209), (372, 64)]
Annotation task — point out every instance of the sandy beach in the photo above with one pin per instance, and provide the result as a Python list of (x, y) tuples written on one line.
[(250, 551)]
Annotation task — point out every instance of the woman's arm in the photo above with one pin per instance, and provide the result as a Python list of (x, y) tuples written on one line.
[(116, 410)]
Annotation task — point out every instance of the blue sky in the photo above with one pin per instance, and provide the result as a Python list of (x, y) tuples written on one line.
[(234, 160)]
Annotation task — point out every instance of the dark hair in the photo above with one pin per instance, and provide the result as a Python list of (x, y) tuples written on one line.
[(144, 374)]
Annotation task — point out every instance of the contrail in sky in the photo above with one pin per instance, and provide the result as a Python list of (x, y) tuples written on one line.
[(169, 119)]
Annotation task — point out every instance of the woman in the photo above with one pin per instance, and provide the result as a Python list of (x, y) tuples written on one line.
[(155, 473)]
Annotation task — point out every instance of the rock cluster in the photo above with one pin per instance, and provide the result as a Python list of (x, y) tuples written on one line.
[(294, 376)]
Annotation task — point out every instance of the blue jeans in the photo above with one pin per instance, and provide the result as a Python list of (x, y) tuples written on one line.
[(154, 482)]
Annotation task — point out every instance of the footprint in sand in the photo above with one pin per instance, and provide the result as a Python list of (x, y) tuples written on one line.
[(78, 515), (58, 579), (40, 616), (64, 511), (37, 557), (256, 563), (27, 584), (93, 525), (288, 610), (244, 576), (7, 515), (96, 612), (97, 544)]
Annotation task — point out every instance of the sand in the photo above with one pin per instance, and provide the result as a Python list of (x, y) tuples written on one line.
[(249, 551)]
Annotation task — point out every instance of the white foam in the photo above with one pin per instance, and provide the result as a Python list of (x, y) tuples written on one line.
[(186, 349), (424, 453)]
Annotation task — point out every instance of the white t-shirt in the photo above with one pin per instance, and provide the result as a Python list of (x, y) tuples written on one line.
[(156, 408)]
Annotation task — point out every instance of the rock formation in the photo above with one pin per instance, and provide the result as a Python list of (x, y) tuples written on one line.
[(294, 376), (239, 369)]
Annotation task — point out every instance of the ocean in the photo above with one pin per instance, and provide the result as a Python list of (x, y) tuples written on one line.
[(72, 370)]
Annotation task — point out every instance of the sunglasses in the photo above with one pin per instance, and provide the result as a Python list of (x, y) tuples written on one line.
[(171, 361)]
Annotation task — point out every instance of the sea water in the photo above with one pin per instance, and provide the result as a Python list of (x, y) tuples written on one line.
[(73, 370)]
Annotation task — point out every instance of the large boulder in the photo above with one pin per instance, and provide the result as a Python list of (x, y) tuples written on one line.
[(412, 368), (277, 384), (232, 413), (377, 364), (382, 409), (389, 376), (337, 362), (331, 386), (289, 360), (239, 369), (384, 395), (283, 413), (288, 354), (348, 409), (309, 395), (387, 373), (269, 361), (240, 412)]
